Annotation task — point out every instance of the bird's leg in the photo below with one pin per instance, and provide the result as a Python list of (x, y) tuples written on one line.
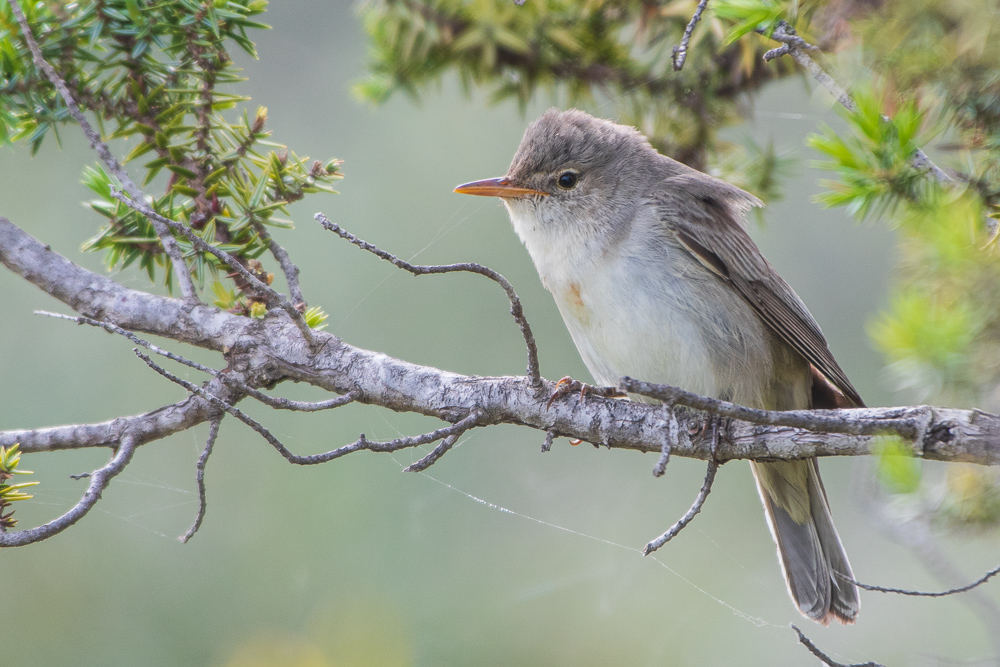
[(714, 426)]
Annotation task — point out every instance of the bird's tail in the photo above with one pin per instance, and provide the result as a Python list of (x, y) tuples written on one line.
[(812, 558)]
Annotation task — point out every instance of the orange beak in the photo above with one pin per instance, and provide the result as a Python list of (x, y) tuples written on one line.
[(497, 187)]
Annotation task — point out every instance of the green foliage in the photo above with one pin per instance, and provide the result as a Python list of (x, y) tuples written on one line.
[(224, 296), (747, 16), (610, 55), (874, 160), (316, 318), (896, 466), (159, 74), (940, 333), (938, 74), (10, 457)]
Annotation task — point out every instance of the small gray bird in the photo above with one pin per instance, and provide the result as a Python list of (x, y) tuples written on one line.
[(657, 279)]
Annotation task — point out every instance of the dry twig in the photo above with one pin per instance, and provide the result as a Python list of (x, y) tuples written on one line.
[(99, 480), (420, 270), (288, 267), (824, 658), (213, 433), (680, 51), (706, 488), (819, 421)]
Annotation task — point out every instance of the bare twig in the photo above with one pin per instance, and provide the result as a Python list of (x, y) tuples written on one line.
[(795, 46), (113, 328), (926, 594), (201, 244), (661, 464), (547, 444), (99, 481), (166, 238), (436, 453), (213, 433), (813, 420), (471, 267), (912, 528), (785, 34), (288, 267), (680, 51), (228, 379), (824, 658), (699, 500), (280, 403)]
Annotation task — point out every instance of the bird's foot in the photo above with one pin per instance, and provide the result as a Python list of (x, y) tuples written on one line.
[(713, 428), (568, 385)]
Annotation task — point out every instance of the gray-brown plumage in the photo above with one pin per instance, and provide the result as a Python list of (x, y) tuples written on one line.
[(657, 279)]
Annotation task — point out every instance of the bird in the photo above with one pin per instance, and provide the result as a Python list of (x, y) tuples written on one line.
[(656, 278)]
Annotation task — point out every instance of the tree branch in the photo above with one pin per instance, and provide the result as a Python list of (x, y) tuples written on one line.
[(288, 267), (680, 51), (824, 658), (142, 428), (229, 379), (927, 594), (699, 500), (361, 443), (420, 270), (270, 350), (213, 433), (201, 244), (812, 420), (162, 231), (99, 480), (795, 46), (101, 298)]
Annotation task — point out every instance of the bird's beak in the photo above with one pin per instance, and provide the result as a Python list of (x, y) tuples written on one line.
[(497, 187)]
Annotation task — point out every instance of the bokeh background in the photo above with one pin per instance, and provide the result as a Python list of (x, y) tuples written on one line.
[(498, 555)]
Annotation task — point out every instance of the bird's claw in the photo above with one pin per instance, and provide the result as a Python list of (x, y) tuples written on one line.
[(568, 385)]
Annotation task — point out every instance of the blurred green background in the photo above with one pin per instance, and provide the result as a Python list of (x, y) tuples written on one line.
[(498, 555)]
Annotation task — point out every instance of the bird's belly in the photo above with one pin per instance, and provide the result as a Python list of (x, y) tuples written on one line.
[(699, 336)]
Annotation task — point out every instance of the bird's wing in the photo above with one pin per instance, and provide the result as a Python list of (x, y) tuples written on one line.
[(706, 219)]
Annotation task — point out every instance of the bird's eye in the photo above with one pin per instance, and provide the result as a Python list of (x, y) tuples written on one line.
[(567, 180)]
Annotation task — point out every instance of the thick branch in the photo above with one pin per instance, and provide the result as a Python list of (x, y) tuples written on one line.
[(101, 298), (142, 428), (271, 350)]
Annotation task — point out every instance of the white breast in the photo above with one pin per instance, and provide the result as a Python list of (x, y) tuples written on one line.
[(644, 307)]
